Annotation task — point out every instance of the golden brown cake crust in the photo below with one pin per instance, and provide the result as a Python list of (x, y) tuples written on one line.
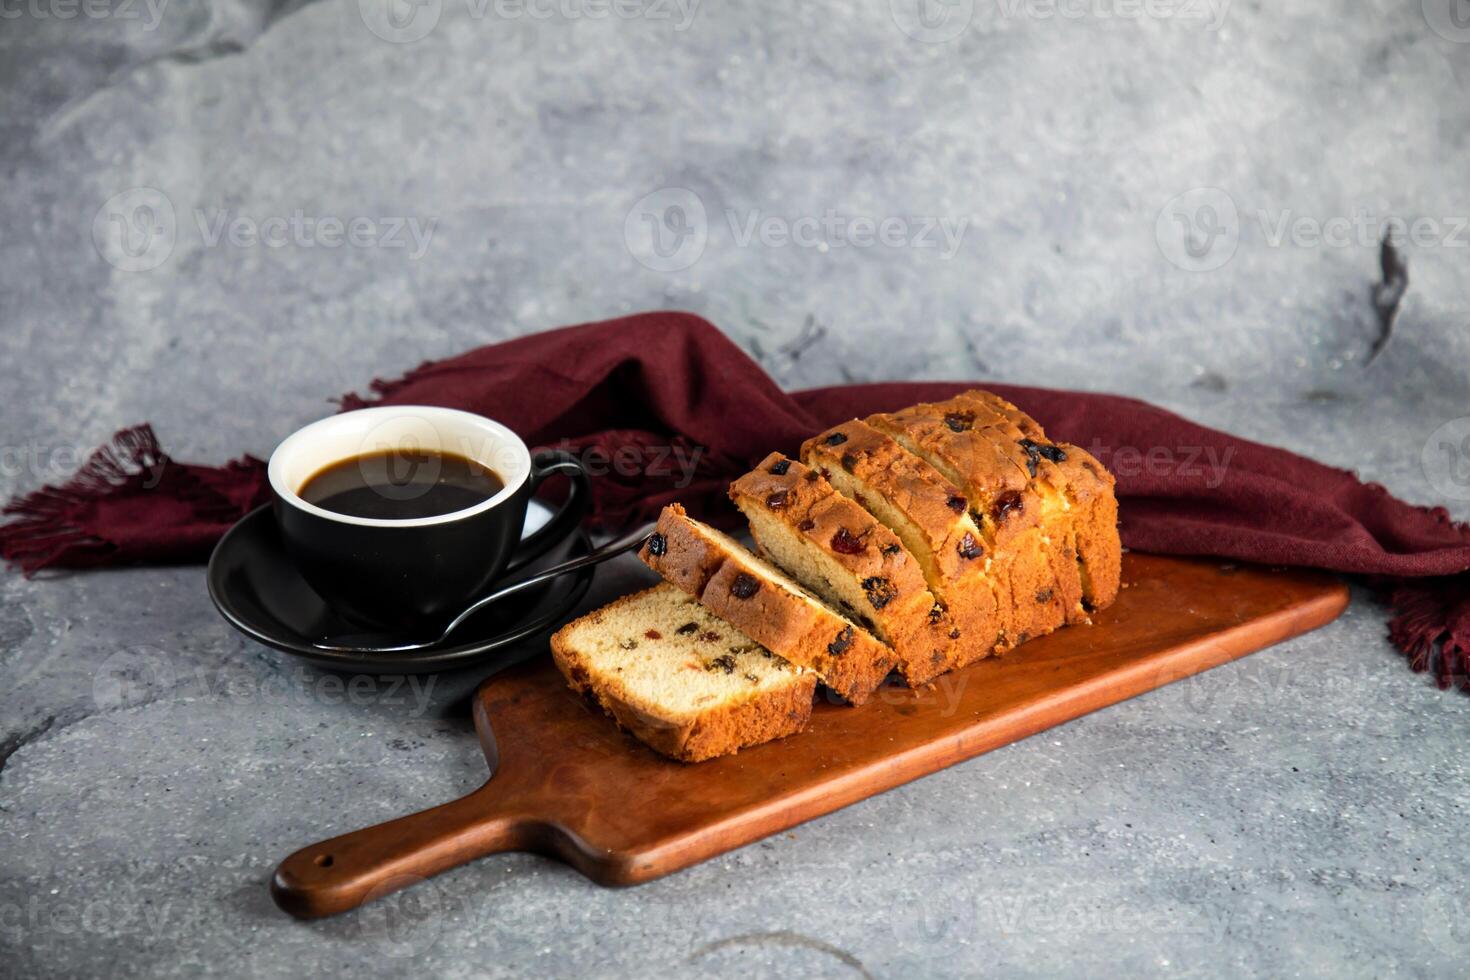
[(937, 510), (722, 730), (848, 659), (1095, 523), (1086, 484), (914, 486), (1001, 495), (990, 446), (1003, 502), (898, 600), (1030, 455)]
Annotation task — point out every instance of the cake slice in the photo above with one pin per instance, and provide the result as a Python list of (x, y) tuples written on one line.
[(1021, 442), (758, 599), (1092, 494), (845, 555), (1002, 502), (1079, 503), (683, 682), (927, 513)]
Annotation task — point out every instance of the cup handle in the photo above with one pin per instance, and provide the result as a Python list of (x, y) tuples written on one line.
[(551, 462)]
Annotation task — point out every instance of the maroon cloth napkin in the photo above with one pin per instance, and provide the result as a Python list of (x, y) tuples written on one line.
[(664, 407)]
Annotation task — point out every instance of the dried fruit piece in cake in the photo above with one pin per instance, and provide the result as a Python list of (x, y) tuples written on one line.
[(761, 601), (845, 555), (928, 514), (685, 683)]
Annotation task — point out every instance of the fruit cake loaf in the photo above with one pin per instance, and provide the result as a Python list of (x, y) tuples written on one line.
[(1070, 480), (929, 515), (842, 553), (1002, 502), (686, 684), (759, 600)]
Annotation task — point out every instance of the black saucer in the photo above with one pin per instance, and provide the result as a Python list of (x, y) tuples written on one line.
[(255, 586)]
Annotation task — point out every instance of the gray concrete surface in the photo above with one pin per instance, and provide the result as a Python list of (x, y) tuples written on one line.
[(1296, 814)]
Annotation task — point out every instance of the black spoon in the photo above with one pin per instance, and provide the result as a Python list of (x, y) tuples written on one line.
[(389, 643)]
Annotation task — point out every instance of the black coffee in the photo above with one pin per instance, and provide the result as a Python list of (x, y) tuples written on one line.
[(401, 485)]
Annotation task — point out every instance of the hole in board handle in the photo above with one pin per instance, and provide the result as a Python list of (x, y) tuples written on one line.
[(323, 860)]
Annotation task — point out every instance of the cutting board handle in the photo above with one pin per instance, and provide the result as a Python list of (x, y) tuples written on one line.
[(347, 871)]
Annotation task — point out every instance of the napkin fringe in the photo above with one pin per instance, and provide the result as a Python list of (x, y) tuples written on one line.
[(54, 525), (1431, 626), (382, 388), (49, 530)]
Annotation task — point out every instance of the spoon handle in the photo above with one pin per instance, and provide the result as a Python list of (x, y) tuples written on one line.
[(374, 644), (613, 548)]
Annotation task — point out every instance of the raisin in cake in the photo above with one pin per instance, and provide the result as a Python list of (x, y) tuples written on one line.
[(842, 553), (927, 513), (759, 600), (688, 685)]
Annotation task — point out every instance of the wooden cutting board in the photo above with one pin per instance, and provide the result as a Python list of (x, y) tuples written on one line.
[(568, 784)]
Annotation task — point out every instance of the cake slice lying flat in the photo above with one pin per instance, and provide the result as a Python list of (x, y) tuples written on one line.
[(685, 683), (927, 512), (762, 602), (845, 555)]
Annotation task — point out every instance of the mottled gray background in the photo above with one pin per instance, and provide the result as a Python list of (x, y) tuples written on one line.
[(1297, 813)]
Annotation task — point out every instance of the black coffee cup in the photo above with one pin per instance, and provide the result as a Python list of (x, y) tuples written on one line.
[(413, 574)]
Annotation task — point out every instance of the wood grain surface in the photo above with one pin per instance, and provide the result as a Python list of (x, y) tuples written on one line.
[(569, 784)]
